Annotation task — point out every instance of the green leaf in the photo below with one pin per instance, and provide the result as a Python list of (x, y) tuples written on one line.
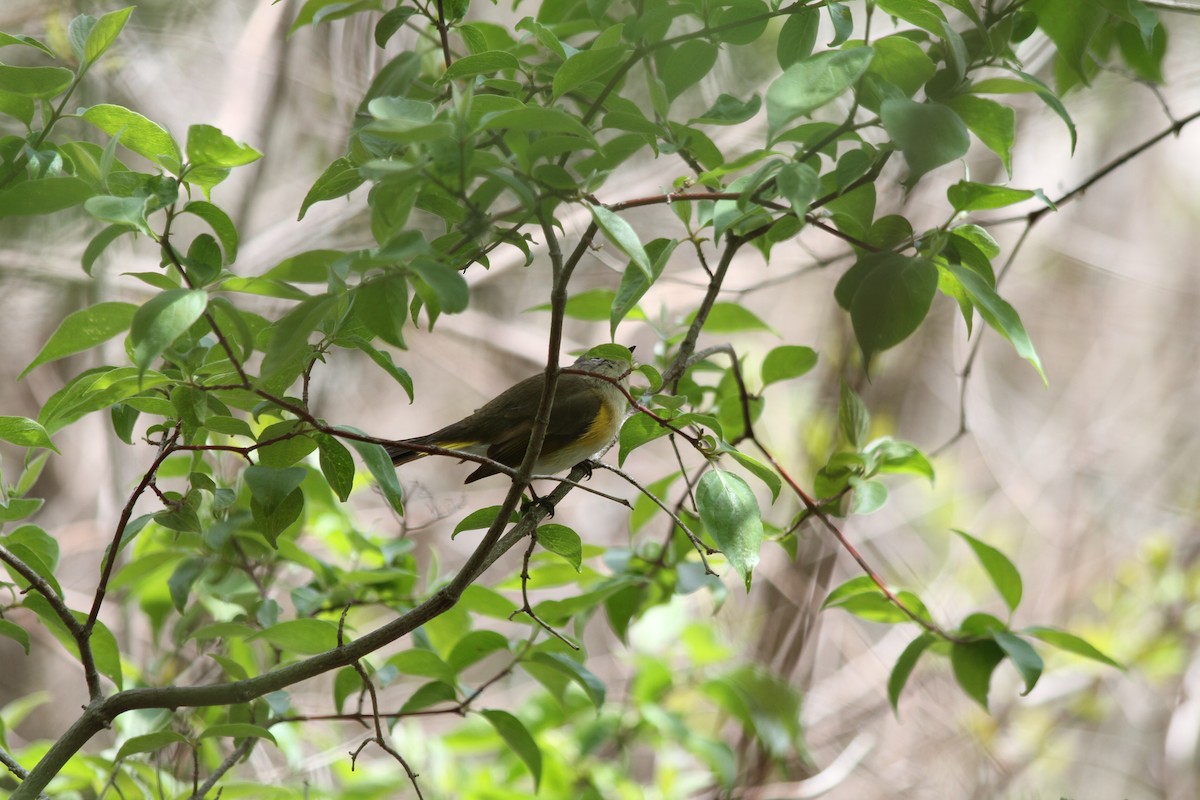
[(892, 298), (220, 223), (104, 33), (1028, 83), (1023, 657), (862, 584), (423, 663), (973, 664), (384, 360), (8, 38), (686, 65), (853, 417), (337, 465), (381, 305), (786, 362), (107, 653), (1004, 575), (306, 637), (92, 391), (149, 743), (901, 457), (993, 123), (586, 66), (12, 630), (474, 647), (480, 519), (543, 120), (798, 36), (447, 283), (731, 515), (929, 134), (799, 183), (869, 496), (161, 320), (997, 313), (182, 579), (38, 83), (382, 469), (591, 306), (861, 597), (429, 694), (812, 83), (561, 540), (518, 739), (842, 21), (592, 686), (289, 349), (904, 666), (728, 110), (391, 22), (271, 486), (487, 63), (1071, 25), (635, 283), (922, 13), (82, 330), (621, 234), (759, 470), (137, 133), (636, 431), (338, 180), (44, 196), (968, 196), (1071, 643), (740, 22), (731, 318), (238, 730), (25, 433), (211, 154), (128, 212)]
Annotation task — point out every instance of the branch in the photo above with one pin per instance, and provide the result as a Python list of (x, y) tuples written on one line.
[(80, 633), (165, 448), (688, 345), (12, 765), (239, 752)]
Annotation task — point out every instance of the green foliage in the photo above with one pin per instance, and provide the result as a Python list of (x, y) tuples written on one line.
[(474, 139)]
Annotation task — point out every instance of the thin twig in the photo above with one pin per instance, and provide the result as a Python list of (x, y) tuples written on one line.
[(526, 608), (12, 765), (238, 753), (378, 737), (701, 548), (165, 448), (80, 633)]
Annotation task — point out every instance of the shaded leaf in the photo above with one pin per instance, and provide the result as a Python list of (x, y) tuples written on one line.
[(731, 515), (904, 666), (517, 736)]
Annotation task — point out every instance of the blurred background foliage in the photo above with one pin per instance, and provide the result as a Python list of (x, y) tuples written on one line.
[(1088, 485)]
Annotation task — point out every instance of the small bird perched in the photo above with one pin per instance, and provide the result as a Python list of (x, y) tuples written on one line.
[(586, 415)]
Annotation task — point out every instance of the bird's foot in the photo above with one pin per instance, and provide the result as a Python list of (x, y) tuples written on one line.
[(588, 466), (540, 502)]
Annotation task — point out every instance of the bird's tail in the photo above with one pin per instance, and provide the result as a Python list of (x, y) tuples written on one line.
[(401, 453)]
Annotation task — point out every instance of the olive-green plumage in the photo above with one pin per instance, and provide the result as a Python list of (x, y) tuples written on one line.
[(586, 415)]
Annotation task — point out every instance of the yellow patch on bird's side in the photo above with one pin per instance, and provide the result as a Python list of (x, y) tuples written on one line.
[(598, 433)]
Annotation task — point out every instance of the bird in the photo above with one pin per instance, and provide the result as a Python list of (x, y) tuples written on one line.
[(586, 414)]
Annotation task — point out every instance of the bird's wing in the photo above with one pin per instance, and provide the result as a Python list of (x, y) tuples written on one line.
[(572, 410)]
